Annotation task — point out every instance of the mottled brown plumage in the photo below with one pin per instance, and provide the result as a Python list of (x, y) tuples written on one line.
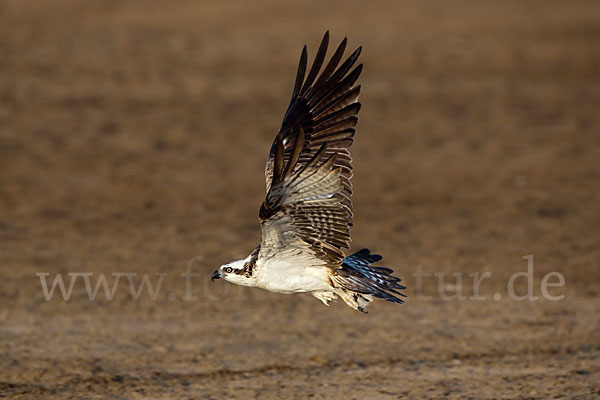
[(326, 110), (315, 135)]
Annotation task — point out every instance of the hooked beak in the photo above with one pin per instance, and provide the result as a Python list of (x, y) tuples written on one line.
[(215, 275)]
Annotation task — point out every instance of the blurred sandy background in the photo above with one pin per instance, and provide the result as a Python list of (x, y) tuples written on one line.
[(133, 136)]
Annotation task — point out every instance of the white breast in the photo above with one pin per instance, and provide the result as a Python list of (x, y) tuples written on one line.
[(291, 277)]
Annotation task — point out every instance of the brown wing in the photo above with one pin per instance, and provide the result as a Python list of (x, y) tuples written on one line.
[(325, 106), (303, 215)]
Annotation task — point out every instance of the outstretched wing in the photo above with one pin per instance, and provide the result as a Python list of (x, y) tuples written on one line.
[(325, 106), (308, 207)]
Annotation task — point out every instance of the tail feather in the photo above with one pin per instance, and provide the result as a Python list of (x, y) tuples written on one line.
[(357, 274)]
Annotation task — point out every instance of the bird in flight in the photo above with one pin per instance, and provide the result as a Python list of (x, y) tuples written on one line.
[(307, 213)]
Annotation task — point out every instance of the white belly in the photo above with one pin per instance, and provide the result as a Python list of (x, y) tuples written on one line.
[(292, 277)]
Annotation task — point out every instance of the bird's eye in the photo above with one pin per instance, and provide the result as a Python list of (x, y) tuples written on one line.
[(228, 270)]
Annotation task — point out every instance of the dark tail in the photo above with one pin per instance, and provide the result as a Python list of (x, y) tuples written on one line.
[(358, 275)]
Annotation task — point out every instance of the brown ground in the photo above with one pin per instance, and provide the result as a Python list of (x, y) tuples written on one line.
[(132, 139)]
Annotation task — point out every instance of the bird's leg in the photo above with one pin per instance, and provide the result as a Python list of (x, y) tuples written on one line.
[(325, 297)]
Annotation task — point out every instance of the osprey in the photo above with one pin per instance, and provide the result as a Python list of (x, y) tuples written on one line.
[(307, 213)]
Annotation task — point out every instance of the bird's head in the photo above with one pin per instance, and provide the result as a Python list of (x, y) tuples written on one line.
[(238, 272)]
